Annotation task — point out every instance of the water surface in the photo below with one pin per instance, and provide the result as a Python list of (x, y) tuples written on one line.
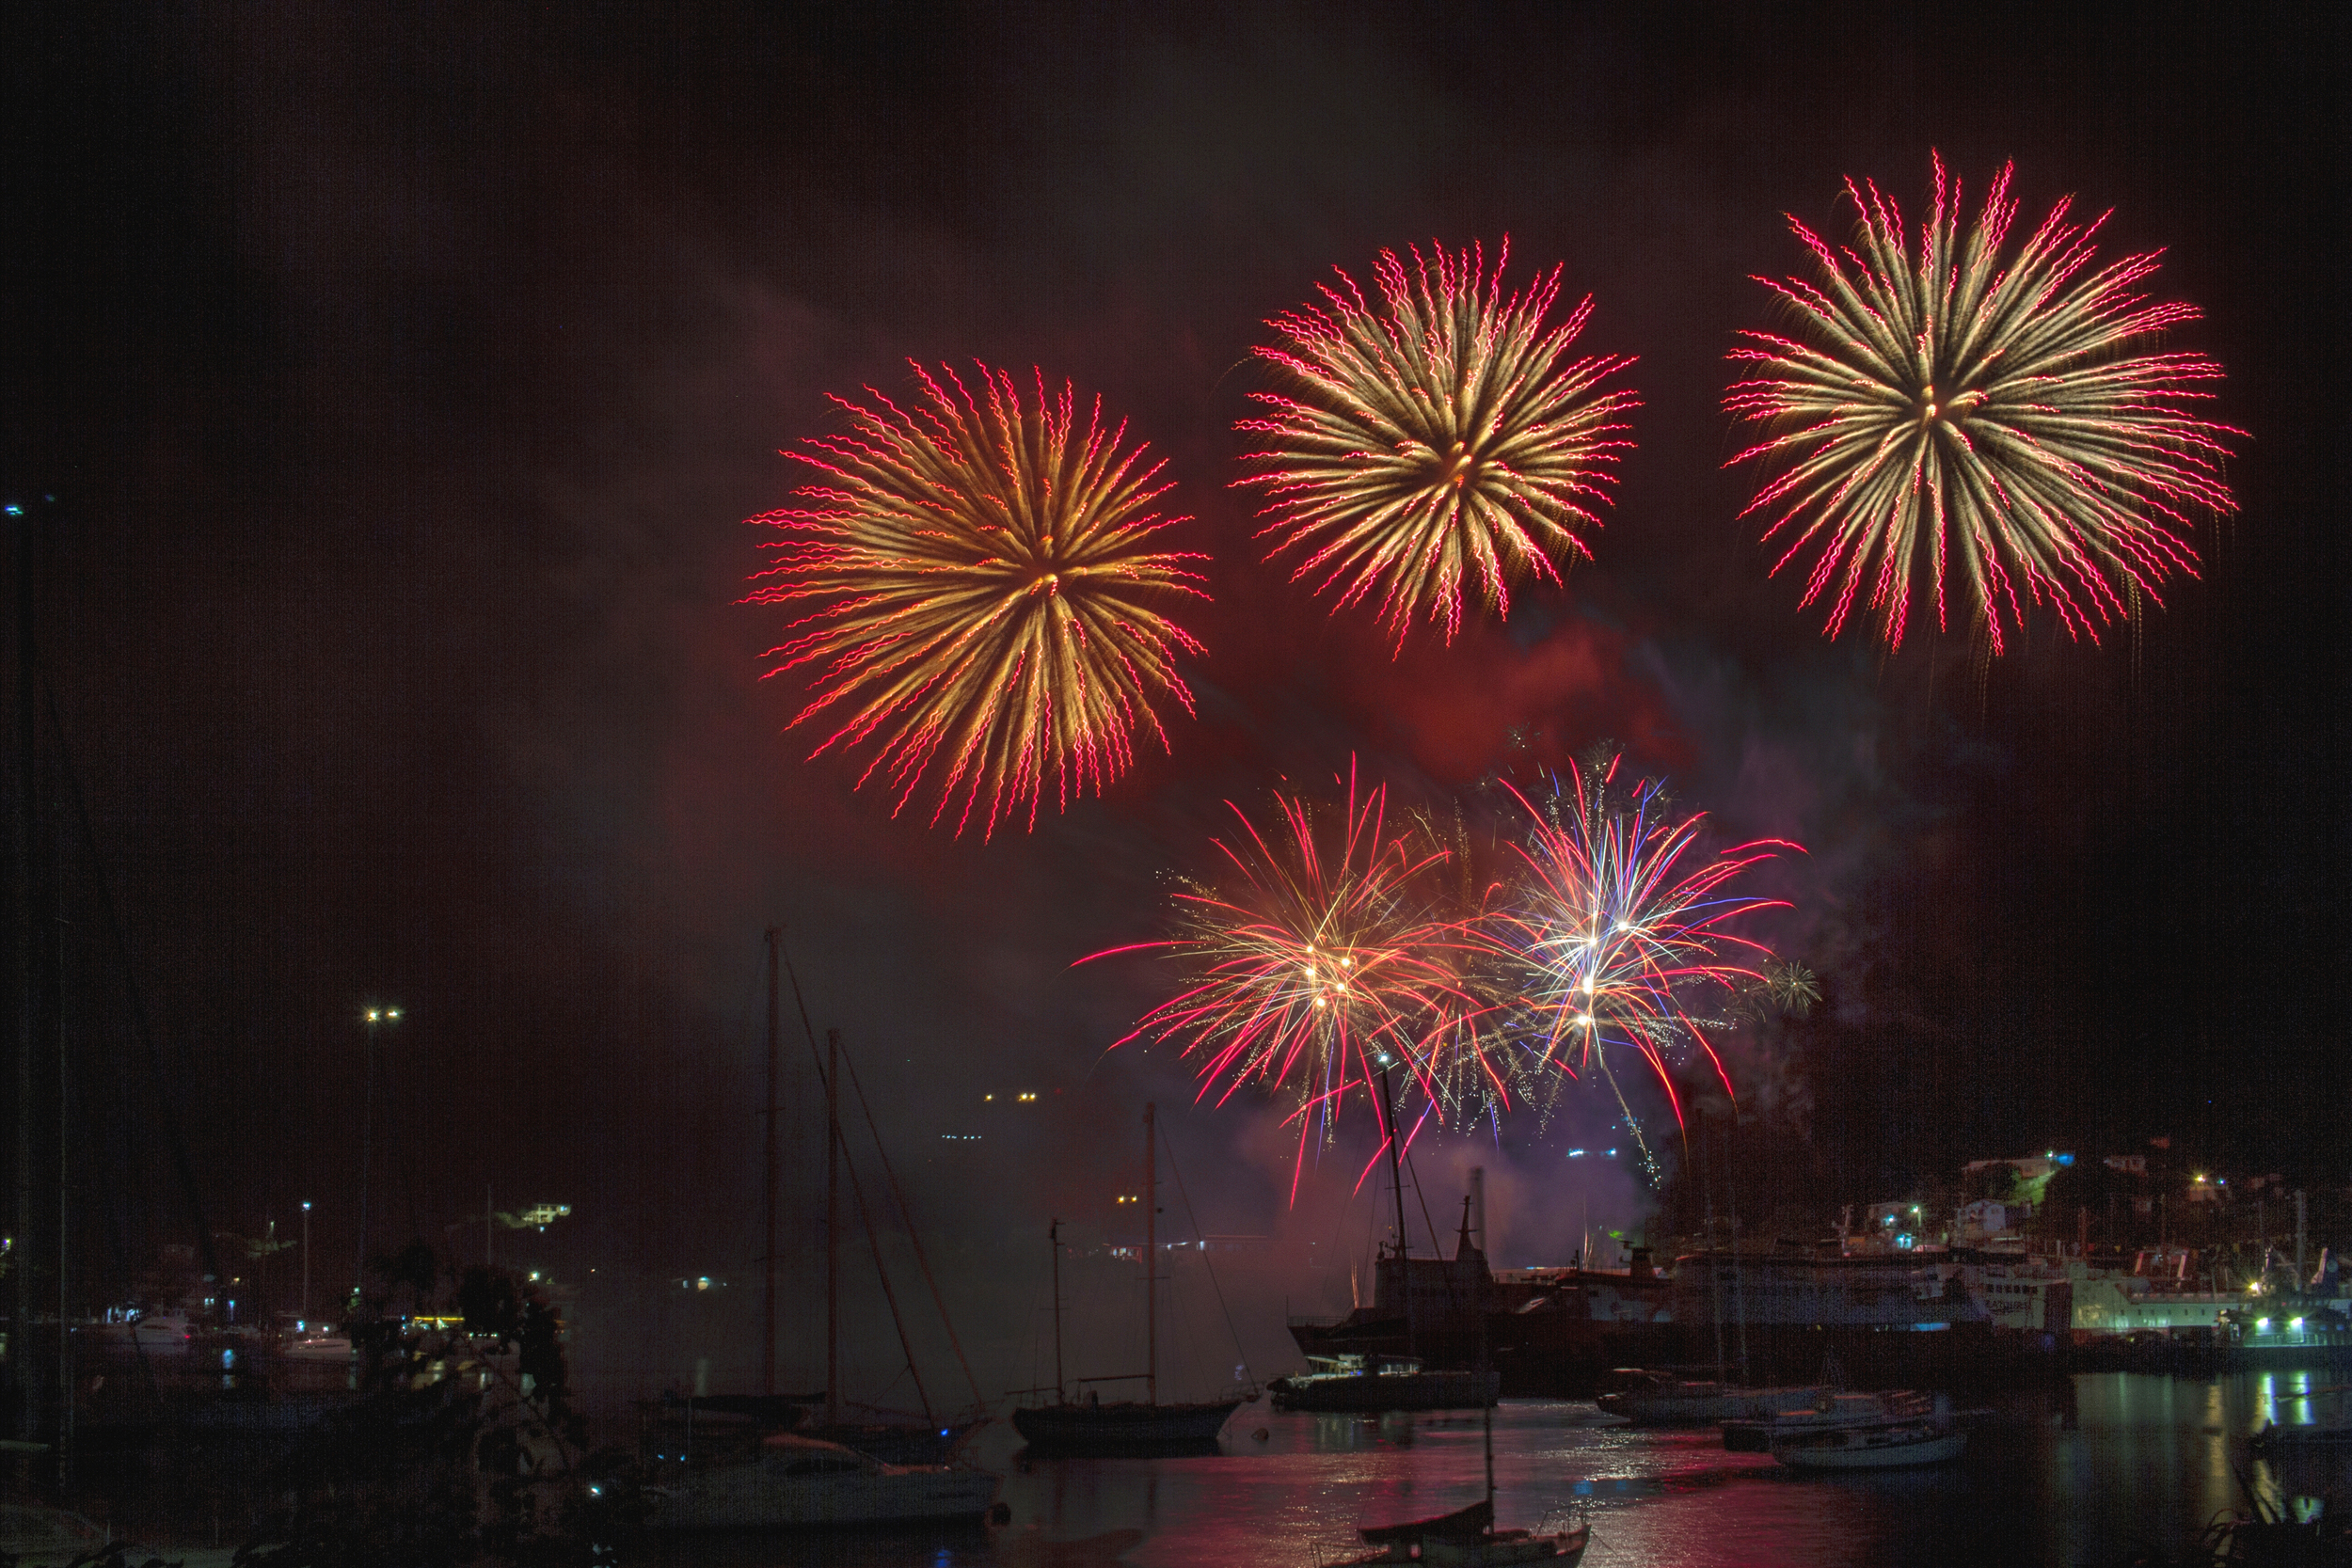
[(2080, 1475)]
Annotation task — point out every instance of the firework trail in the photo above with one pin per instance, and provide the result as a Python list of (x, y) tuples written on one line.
[(1615, 930), (1320, 956), (1979, 420), (1436, 440), (976, 580)]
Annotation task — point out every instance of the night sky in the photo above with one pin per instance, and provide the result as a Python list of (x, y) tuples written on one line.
[(403, 377)]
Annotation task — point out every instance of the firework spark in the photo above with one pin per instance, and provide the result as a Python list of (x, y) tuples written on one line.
[(1316, 960), (977, 583), (1981, 416), (1437, 440), (1615, 931)]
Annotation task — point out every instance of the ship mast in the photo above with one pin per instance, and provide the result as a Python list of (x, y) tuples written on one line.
[(1151, 1256), (768, 1340), (832, 1226), (1396, 1183), (1052, 1235)]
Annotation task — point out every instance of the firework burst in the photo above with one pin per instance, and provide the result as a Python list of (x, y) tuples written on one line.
[(1436, 441), (1616, 930), (977, 584), (1318, 958), (1979, 416)]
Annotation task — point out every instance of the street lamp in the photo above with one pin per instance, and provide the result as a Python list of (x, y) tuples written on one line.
[(306, 1263), (375, 1016)]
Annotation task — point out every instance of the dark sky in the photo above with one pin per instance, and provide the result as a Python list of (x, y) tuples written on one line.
[(402, 375)]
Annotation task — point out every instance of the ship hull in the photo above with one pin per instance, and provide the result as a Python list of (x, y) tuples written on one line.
[(1124, 1429), (1373, 1393)]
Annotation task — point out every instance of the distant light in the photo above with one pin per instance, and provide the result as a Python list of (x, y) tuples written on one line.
[(306, 1205), (942, 1431), (1576, 1154), (2295, 1323), (15, 511), (1613, 1153), (2262, 1325)]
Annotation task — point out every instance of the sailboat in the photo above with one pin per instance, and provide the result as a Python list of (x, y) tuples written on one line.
[(1468, 1535), (1465, 1537), (751, 1462), (1125, 1426)]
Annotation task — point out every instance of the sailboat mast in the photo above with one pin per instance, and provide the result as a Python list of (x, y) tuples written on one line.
[(1396, 1183), (833, 1225), (1151, 1255), (768, 1189), (21, 902), (1052, 1235), (1396, 1175)]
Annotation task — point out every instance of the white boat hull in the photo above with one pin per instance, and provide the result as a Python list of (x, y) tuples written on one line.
[(1934, 1450), (754, 1497), (1707, 1404)]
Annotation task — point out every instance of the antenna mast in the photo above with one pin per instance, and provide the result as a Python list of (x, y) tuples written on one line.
[(768, 1340), (1151, 1255)]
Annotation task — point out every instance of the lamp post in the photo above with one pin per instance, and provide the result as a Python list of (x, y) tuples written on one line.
[(367, 1128), (306, 1263)]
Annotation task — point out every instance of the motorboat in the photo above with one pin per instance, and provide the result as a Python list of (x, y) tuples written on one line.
[(790, 1480), (36, 1536), (1856, 1431), (1652, 1398), (1466, 1538), (31, 1534), (322, 1346), (1369, 1384), (169, 1333)]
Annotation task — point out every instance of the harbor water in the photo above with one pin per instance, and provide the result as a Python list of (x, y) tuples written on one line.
[(2082, 1474)]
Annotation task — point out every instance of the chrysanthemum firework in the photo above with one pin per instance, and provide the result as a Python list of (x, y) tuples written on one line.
[(1617, 931), (1437, 440), (978, 584), (1978, 417), (1317, 957)]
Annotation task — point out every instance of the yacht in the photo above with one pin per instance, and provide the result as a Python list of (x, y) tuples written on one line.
[(788, 1480), (1369, 1384)]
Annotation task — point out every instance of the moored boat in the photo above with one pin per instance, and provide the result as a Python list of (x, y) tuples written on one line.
[(1857, 1431), (1369, 1384), (1466, 1538), (1653, 1399), (1077, 1429), (790, 1480), (1123, 1426)]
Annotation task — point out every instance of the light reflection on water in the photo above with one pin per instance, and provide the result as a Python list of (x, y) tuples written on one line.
[(2074, 1478)]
